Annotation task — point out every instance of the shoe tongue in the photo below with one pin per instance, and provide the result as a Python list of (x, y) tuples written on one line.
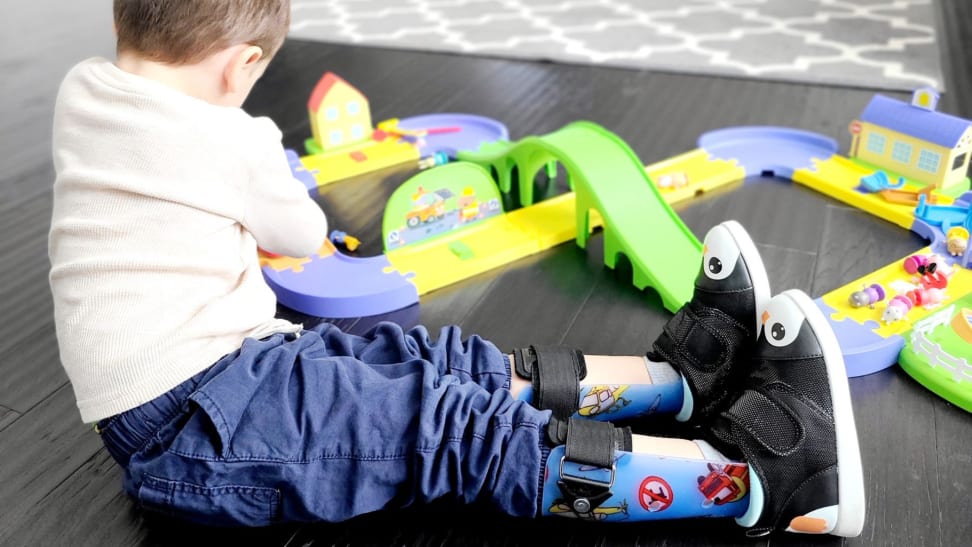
[(772, 425), (740, 305)]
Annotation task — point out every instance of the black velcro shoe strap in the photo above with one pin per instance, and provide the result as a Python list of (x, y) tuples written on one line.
[(556, 373), (700, 342), (772, 425)]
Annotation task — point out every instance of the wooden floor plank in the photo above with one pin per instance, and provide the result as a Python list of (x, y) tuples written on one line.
[(40, 451), (897, 431), (954, 462), (854, 244), (7, 416), (31, 368), (560, 284)]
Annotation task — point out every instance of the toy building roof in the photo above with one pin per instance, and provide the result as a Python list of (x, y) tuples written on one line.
[(323, 87), (929, 125)]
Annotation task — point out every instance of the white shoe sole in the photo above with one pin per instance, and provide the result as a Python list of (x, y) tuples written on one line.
[(850, 476)]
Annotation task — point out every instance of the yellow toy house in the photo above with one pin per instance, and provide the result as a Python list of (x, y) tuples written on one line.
[(339, 114), (915, 140)]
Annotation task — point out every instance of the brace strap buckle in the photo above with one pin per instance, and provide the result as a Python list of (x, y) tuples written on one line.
[(590, 448), (584, 494)]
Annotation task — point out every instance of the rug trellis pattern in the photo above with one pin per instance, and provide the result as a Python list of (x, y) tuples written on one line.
[(888, 44)]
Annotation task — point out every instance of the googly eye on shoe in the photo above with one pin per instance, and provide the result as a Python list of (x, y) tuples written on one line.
[(782, 322), (721, 253)]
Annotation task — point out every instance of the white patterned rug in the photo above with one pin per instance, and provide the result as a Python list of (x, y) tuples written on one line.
[(887, 44)]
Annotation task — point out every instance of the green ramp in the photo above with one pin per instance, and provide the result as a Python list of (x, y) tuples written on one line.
[(607, 176)]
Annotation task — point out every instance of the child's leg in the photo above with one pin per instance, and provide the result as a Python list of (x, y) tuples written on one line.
[(788, 433), (472, 359), (651, 479), (303, 430), (693, 365), (613, 388)]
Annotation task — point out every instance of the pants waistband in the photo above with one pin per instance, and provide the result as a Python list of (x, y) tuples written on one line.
[(126, 433)]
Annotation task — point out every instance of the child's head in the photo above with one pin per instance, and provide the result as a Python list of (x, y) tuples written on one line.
[(235, 38)]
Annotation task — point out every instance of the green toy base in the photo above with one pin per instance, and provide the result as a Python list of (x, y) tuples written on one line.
[(958, 189), (933, 339), (312, 147), (937, 379)]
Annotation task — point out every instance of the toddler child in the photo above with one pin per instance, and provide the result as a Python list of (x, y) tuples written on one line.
[(220, 413)]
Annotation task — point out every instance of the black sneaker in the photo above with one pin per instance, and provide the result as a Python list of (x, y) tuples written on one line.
[(708, 339), (794, 425)]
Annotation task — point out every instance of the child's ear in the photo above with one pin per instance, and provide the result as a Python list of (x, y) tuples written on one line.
[(239, 71)]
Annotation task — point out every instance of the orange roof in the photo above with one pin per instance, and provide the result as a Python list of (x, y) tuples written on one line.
[(323, 87)]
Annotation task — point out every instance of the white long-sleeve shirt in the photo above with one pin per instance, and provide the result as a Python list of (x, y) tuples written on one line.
[(160, 202)]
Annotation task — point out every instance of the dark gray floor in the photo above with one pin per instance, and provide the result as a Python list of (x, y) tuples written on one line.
[(59, 487)]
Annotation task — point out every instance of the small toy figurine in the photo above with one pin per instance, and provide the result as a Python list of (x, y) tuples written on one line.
[(342, 239), (957, 241), (867, 296), (900, 305), (439, 158), (932, 277), (914, 262), (929, 298), (897, 309), (673, 180)]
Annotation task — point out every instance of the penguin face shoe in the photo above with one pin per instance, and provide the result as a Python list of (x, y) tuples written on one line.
[(794, 425), (709, 339)]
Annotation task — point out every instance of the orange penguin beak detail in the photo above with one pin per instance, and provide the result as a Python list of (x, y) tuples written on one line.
[(766, 317)]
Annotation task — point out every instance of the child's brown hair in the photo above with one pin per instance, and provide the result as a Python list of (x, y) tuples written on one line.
[(188, 31)]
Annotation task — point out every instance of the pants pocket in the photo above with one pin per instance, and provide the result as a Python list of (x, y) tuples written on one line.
[(225, 505)]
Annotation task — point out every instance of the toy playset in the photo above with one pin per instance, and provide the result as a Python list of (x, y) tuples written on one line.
[(344, 143), (907, 164)]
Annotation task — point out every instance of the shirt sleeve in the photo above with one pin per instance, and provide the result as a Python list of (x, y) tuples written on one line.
[(277, 210)]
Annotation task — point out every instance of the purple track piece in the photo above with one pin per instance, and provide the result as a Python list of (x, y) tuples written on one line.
[(476, 131), (865, 352), (299, 171), (340, 286), (766, 149)]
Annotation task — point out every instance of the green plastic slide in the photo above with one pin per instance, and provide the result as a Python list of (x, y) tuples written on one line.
[(607, 176)]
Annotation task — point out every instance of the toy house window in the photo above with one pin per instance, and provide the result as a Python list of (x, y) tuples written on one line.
[(354, 108), (336, 136), (929, 161), (901, 152), (331, 113), (357, 131), (875, 143), (959, 161)]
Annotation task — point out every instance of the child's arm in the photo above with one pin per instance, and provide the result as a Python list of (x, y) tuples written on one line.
[(277, 210)]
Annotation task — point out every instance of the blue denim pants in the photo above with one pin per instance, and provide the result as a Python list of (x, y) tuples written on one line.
[(328, 425)]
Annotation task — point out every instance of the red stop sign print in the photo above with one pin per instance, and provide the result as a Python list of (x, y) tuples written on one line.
[(655, 494)]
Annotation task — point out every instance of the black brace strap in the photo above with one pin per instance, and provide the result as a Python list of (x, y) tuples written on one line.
[(556, 373), (587, 442)]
